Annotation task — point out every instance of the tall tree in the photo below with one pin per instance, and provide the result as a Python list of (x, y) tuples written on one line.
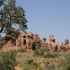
[(2, 2), (12, 15)]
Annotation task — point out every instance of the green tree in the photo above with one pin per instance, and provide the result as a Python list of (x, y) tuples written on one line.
[(2, 2), (11, 15)]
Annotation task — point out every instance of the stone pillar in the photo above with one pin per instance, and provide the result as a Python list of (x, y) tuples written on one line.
[(44, 43), (52, 39), (18, 42), (44, 39), (66, 41)]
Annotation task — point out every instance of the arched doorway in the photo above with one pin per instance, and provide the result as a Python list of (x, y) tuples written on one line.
[(24, 42), (33, 46)]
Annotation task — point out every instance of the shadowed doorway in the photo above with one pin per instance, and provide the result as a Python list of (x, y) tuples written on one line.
[(24, 42)]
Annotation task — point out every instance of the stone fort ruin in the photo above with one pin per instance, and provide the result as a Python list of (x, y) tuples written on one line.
[(26, 40), (29, 41)]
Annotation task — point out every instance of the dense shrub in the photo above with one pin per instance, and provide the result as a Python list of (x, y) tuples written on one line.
[(26, 68), (50, 55), (47, 67), (30, 61), (64, 48), (8, 60), (36, 53), (2, 41), (41, 52), (46, 50), (31, 65), (65, 64), (21, 50), (38, 46), (35, 64)]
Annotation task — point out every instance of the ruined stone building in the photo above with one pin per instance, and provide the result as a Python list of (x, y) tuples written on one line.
[(25, 40), (29, 41)]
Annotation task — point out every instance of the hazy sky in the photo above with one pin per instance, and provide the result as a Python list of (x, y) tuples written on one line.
[(48, 17)]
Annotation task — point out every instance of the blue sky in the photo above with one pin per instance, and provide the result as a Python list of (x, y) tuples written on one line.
[(48, 17)]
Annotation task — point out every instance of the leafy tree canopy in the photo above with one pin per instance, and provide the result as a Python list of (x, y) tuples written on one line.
[(2, 2), (10, 15)]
